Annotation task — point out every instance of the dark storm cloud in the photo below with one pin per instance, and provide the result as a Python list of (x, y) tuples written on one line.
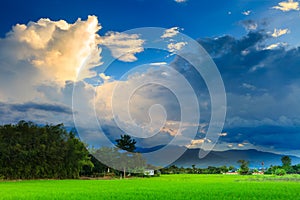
[(228, 45), (276, 137), (247, 68), (262, 86), (246, 60), (38, 112), (25, 107)]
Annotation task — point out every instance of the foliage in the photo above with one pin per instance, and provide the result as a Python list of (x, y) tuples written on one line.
[(286, 164), (280, 172), (116, 160), (126, 143), (296, 169), (244, 169), (128, 160), (272, 169), (173, 169), (29, 151), (286, 161), (97, 170), (255, 170)]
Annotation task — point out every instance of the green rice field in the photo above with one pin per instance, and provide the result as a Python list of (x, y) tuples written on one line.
[(164, 187)]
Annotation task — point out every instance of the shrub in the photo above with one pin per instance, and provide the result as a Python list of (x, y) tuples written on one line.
[(280, 172)]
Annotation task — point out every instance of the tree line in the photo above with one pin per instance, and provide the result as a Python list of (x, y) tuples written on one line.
[(29, 151), (285, 168), (244, 169)]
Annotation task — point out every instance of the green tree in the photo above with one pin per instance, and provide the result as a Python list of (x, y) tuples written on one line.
[(280, 172), (126, 143), (29, 151), (286, 161), (224, 169), (129, 160), (286, 164), (194, 169), (230, 168), (244, 167)]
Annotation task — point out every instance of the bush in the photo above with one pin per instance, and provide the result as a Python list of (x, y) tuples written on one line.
[(280, 172), (157, 173)]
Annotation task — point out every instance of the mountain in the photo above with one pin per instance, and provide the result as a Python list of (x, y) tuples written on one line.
[(150, 149), (230, 157)]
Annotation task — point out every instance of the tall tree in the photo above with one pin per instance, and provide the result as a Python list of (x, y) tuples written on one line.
[(126, 143), (286, 164), (286, 161), (244, 168)]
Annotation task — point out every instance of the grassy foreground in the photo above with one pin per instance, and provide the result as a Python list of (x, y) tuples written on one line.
[(164, 187)]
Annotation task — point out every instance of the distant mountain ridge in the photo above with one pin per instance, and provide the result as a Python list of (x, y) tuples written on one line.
[(228, 158)]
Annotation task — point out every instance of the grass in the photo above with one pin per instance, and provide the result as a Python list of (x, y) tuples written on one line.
[(165, 187)]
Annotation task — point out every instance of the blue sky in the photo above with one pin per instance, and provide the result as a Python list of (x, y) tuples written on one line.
[(198, 18), (44, 49)]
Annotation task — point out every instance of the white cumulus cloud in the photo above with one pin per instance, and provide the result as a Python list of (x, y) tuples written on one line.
[(49, 53), (173, 47), (287, 6), (123, 46), (104, 77), (171, 32), (280, 32), (57, 49), (275, 45)]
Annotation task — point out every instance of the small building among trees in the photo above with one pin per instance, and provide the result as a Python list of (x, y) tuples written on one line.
[(149, 172)]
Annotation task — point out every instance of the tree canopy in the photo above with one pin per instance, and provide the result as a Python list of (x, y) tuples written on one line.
[(286, 161), (30, 151), (126, 143), (244, 167)]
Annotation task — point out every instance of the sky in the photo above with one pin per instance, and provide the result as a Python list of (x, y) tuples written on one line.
[(99, 66)]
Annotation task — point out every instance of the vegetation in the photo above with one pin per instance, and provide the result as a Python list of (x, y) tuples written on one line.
[(126, 143), (128, 160), (29, 151), (173, 169), (244, 167), (225, 187), (280, 172), (286, 161), (285, 168), (119, 160)]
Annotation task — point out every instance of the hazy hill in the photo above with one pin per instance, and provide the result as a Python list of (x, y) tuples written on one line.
[(219, 158), (230, 157)]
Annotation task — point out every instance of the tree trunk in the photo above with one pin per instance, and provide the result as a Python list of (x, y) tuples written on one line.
[(124, 172)]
